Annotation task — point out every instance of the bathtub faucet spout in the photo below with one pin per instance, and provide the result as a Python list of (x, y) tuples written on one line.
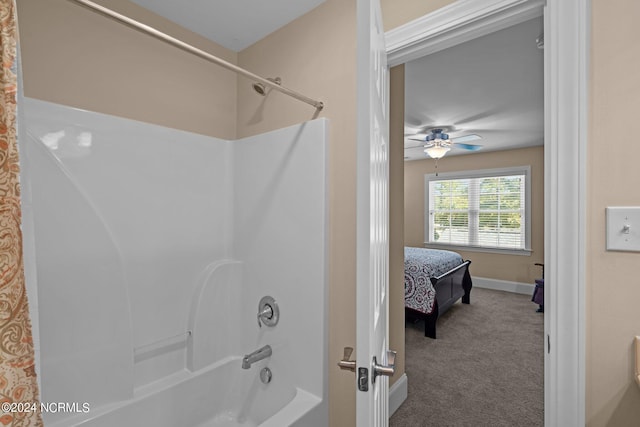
[(261, 353)]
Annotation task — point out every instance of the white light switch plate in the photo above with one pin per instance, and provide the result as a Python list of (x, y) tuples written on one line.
[(623, 228)]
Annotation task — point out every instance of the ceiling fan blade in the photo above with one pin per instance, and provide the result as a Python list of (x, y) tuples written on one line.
[(407, 146), (466, 138), (418, 137), (457, 142), (470, 147), (414, 147)]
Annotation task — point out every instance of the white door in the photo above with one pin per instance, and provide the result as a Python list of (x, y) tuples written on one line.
[(372, 403)]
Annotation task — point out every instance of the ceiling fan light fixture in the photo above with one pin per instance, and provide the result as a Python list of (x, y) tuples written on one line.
[(437, 135), (437, 151)]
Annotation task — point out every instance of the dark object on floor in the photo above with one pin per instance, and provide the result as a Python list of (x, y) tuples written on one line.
[(538, 292), (449, 287)]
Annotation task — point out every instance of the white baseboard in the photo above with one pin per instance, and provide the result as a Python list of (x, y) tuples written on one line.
[(503, 285), (398, 394)]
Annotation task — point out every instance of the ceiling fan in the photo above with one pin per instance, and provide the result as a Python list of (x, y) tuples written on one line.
[(437, 143)]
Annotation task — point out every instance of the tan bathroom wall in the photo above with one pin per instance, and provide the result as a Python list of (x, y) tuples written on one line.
[(76, 57), (316, 55), (613, 287), (514, 268), (399, 12)]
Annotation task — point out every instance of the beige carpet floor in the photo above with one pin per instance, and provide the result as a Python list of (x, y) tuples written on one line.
[(484, 369)]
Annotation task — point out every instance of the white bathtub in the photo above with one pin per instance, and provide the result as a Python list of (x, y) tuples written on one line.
[(224, 395), (144, 311)]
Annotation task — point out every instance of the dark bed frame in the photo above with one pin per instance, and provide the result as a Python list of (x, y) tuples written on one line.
[(450, 287)]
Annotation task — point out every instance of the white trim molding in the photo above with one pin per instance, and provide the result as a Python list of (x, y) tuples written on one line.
[(566, 57), (567, 32), (398, 393), (458, 22), (503, 285)]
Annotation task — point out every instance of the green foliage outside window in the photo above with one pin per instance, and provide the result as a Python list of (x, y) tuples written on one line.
[(494, 206)]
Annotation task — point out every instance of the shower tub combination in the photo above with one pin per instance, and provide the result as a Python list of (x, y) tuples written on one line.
[(220, 395), (148, 251)]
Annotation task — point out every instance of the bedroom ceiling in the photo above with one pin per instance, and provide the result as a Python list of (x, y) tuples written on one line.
[(492, 86), (235, 24)]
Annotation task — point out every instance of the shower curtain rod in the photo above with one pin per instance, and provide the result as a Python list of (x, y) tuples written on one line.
[(198, 52)]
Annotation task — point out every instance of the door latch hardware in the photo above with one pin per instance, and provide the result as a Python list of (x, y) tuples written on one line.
[(345, 363), (363, 379), (386, 370)]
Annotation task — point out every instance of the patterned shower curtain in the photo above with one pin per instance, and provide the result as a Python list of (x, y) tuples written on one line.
[(18, 385)]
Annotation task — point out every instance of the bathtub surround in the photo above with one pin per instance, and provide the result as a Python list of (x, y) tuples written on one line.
[(154, 247), (115, 70), (18, 383)]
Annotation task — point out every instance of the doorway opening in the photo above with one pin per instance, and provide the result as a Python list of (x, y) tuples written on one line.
[(483, 200), (567, 27)]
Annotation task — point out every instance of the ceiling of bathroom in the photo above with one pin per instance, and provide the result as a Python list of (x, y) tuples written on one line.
[(235, 24), (492, 86)]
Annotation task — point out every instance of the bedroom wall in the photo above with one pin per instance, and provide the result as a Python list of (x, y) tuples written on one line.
[(73, 56), (613, 291), (396, 219), (316, 55), (514, 268)]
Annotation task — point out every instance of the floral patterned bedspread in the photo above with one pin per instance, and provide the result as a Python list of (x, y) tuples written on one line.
[(420, 264)]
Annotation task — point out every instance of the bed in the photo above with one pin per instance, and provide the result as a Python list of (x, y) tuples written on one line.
[(433, 281)]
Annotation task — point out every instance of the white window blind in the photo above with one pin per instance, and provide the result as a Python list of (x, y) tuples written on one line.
[(482, 209)]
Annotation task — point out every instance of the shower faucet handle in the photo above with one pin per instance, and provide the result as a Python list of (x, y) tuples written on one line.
[(268, 312)]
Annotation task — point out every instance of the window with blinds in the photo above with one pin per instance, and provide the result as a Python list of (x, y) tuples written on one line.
[(479, 209)]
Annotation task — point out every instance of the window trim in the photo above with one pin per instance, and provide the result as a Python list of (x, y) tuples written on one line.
[(482, 173)]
